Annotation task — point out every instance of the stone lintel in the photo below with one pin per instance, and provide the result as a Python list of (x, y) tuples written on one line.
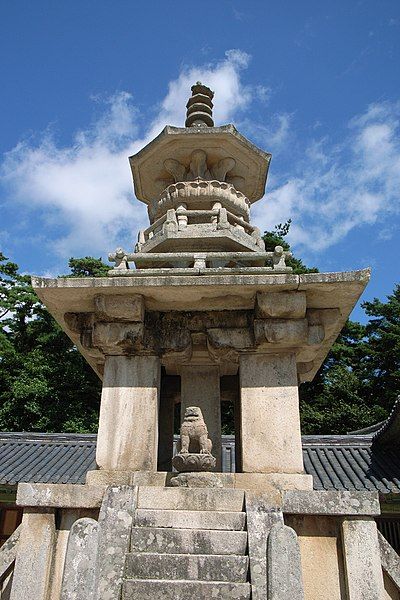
[(59, 495), (331, 503), (206, 292)]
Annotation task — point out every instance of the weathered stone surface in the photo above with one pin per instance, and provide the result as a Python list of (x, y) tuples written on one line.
[(117, 338), (190, 499), (9, 551), (188, 541), (136, 589), (200, 388), (267, 482), (192, 462), (284, 578), (187, 519), (390, 560), (120, 308), (103, 478), (281, 305), (80, 561), (187, 566), (364, 578), (285, 332), (115, 523), (35, 551), (63, 495), (128, 425), (202, 480), (262, 512), (270, 403), (203, 292), (331, 503)]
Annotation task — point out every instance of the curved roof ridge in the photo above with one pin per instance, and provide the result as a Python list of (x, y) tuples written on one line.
[(389, 432)]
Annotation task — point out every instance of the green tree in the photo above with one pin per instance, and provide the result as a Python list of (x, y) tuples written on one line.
[(45, 384)]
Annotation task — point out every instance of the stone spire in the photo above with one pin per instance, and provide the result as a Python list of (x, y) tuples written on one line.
[(199, 107)]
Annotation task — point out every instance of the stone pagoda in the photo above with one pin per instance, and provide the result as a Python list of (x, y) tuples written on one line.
[(198, 314)]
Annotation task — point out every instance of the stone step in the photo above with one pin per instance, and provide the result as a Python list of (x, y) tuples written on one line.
[(138, 589), (188, 541), (191, 499), (187, 567), (190, 519)]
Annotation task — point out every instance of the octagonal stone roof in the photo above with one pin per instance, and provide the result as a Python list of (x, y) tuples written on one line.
[(151, 177)]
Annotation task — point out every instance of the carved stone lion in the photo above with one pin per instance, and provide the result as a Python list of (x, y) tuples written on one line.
[(194, 433)]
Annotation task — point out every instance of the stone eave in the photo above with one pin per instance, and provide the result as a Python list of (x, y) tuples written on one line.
[(202, 293)]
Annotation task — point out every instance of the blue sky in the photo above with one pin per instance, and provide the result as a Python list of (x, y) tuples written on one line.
[(316, 83)]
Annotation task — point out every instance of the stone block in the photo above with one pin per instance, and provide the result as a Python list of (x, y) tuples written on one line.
[(289, 305), (55, 495), (273, 482), (187, 566), (117, 338), (331, 503), (115, 523), (284, 579), (191, 499), (188, 541), (203, 480), (34, 557), (188, 519), (80, 561), (262, 512), (238, 338), (103, 478), (285, 332), (364, 577), (137, 589), (119, 307)]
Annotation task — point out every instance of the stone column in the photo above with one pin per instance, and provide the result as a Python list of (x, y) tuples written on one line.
[(200, 387), (364, 577), (270, 418), (128, 426), (34, 556)]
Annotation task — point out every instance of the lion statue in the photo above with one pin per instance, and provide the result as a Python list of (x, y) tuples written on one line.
[(194, 433)]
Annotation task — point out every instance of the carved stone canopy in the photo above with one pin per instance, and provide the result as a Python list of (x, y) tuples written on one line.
[(172, 150)]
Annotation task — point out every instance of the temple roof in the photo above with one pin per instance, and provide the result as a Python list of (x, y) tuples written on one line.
[(336, 462)]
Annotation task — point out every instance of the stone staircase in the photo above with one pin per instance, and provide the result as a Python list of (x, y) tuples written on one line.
[(188, 543)]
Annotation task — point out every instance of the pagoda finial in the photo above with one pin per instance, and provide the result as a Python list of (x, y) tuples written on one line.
[(199, 107)]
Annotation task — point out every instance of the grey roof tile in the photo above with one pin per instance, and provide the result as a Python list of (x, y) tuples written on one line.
[(347, 462)]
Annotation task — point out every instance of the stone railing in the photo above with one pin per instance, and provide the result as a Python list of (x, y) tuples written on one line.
[(175, 220), (390, 560), (8, 553), (268, 261)]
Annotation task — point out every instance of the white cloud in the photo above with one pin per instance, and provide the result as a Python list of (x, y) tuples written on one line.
[(336, 188), (81, 195)]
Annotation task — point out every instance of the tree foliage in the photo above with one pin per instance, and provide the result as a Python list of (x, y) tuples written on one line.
[(45, 384)]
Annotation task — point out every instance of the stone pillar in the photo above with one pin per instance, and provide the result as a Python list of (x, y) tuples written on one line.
[(128, 425), (34, 557), (200, 387), (284, 564), (364, 577), (270, 418)]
